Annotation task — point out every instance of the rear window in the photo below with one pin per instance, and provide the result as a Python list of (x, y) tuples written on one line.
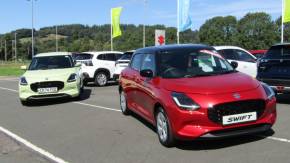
[(82, 56), (278, 51)]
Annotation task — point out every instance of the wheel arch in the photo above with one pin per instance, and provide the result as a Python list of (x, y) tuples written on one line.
[(106, 71)]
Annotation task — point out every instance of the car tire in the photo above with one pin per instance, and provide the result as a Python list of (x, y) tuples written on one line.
[(123, 104), (101, 79), (24, 103), (163, 128), (85, 82)]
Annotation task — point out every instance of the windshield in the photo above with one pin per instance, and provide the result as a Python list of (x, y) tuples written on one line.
[(82, 56), (126, 56), (51, 62), (192, 64), (279, 51)]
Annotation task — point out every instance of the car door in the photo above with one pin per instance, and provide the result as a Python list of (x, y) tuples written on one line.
[(110, 62), (247, 62), (132, 74), (144, 88)]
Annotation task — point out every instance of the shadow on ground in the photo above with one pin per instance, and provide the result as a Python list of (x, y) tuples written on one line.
[(111, 83), (36, 103)]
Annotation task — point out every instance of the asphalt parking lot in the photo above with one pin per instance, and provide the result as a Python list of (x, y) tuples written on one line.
[(93, 130)]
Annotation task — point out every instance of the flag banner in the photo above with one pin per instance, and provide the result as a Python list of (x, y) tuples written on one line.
[(286, 11), (184, 21), (116, 13), (159, 37)]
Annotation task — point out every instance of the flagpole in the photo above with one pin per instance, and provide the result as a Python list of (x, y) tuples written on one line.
[(177, 28), (111, 31), (282, 22), (144, 28)]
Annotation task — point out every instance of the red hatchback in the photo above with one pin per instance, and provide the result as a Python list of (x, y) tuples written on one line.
[(190, 92)]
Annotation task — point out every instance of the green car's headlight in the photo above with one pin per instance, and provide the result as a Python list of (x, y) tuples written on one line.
[(268, 90), (23, 81), (184, 102), (72, 78)]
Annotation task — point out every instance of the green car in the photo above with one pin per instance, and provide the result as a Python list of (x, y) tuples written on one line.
[(51, 75)]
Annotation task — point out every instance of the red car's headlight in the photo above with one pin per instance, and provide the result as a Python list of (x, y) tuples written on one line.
[(184, 102)]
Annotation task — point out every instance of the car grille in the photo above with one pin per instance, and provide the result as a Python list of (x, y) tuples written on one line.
[(217, 112), (58, 84)]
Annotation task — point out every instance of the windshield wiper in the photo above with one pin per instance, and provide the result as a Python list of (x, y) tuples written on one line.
[(210, 74), (227, 72), (198, 75)]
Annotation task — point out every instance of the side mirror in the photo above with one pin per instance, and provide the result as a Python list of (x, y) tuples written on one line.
[(234, 64), (78, 64), (23, 67), (146, 73)]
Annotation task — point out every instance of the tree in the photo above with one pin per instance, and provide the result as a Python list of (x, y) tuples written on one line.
[(278, 30), (219, 31), (256, 31)]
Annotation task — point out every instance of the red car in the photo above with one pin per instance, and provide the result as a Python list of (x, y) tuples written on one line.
[(258, 53), (190, 92)]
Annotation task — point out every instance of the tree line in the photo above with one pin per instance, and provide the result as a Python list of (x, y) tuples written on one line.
[(253, 31)]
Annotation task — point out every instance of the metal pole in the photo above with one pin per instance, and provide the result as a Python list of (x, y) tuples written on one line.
[(111, 32), (177, 28), (12, 48), (56, 39), (282, 23), (144, 27), (5, 44), (15, 46), (32, 28)]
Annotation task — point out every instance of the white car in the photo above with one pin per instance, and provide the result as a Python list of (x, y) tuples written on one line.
[(122, 63), (98, 67), (247, 63)]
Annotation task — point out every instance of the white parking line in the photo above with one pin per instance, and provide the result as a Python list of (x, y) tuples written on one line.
[(7, 89), (117, 110), (95, 106), (26, 143), (274, 138)]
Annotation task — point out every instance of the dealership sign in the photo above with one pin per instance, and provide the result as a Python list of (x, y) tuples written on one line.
[(159, 37)]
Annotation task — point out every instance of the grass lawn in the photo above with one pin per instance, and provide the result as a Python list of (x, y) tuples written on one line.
[(11, 69)]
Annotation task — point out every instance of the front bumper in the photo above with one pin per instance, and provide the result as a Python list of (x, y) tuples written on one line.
[(190, 125), (69, 90)]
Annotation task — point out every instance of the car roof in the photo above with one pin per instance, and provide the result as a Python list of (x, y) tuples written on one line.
[(102, 52), (52, 54), (227, 47), (173, 47), (282, 44)]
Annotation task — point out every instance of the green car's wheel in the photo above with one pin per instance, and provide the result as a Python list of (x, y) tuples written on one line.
[(24, 103)]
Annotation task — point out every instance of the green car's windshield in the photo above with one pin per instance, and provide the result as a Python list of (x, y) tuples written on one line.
[(192, 64), (51, 62)]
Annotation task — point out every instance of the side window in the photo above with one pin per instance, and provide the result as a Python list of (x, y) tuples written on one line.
[(101, 57), (243, 56), (149, 62), (136, 62), (110, 57), (228, 54), (118, 56)]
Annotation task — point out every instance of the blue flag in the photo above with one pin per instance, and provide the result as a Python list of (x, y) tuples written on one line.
[(184, 22)]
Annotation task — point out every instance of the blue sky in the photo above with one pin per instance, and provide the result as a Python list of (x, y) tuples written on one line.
[(16, 14)]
